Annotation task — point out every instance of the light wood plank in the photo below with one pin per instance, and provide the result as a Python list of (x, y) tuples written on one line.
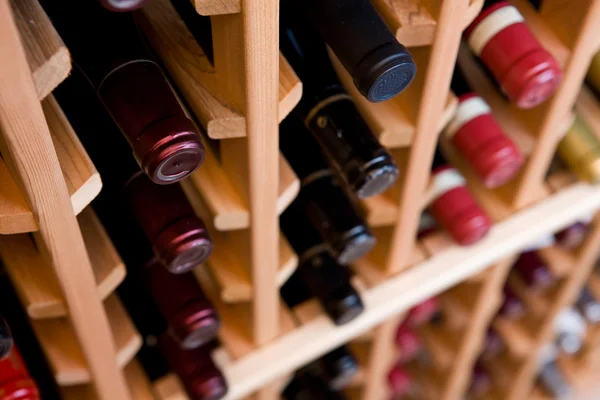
[(409, 20), (47, 55), (216, 7), (62, 350)]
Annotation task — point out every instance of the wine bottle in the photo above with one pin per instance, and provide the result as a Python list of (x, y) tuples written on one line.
[(554, 382), (511, 306), (493, 345), (423, 312), (570, 329), (122, 5), (108, 48), (179, 238), (408, 343), (572, 236), (478, 137), (193, 320), (324, 202), (331, 116), (593, 73), (533, 271), (6, 339), (15, 381), (588, 306), (402, 383), (525, 71), (380, 66), (320, 276), (580, 151), (481, 381), (306, 385), (196, 369), (337, 368), (454, 207)]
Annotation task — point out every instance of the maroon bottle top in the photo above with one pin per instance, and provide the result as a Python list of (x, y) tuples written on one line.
[(572, 236), (192, 319), (15, 381), (511, 307), (400, 381), (423, 312), (533, 270), (408, 343), (179, 238), (122, 5), (195, 368), (108, 48)]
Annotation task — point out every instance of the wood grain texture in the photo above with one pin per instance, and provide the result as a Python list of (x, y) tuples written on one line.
[(64, 355), (409, 20), (216, 7), (36, 281), (198, 80), (47, 55), (27, 149)]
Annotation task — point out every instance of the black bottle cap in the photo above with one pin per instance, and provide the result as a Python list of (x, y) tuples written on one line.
[(385, 73), (307, 385), (343, 305), (6, 339), (339, 367), (355, 244), (374, 178)]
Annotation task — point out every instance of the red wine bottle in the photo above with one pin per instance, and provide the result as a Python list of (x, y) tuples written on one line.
[(193, 320), (196, 369), (179, 238), (6, 339), (15, 381), (108, 48), (423, 312), (306, 385), (323, 200), (454, 207), (478, 137), (331, 116), (380, 66), (123, 5), (533, 271), (525, 71), (402, 383), (408, 343)]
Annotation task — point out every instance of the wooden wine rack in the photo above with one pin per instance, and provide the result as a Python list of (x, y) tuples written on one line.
[(66, 271)]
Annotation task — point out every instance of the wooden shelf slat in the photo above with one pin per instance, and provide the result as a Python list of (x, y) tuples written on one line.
[(35, 281), (83, 181), (137, 381), (196, 77), (62, 350), (47, 55)]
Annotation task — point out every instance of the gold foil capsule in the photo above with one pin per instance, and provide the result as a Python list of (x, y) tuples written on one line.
[(580, 150)]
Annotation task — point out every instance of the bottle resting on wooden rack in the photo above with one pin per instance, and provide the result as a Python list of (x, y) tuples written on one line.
[(108, 48), (380, 66), (580, 151), (123, 5), (570, 330), (179, 238), (196, 369), (573, 235), (525, 71), (403, 382), (588, 306), (511, 306), (192, 319), (306, 385), (318, 274), (336, 368), (481, 381), (453, 206), (554, 382), (331, 116), (533, 271), (478, 137), (15, 381), (6, 338), (322, 198)]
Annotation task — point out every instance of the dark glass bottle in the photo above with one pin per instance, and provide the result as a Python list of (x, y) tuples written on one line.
[(6, 338), (511, 306), (533, 270), (196, 369), (337, 367), (588, 306), (108, 48), (481, 381), (478, 137), (122, 5), (454, 207), (179, 238), (380, 66), (323, 200), (525, 71), (307, 385), (572, 236), (331, 116)]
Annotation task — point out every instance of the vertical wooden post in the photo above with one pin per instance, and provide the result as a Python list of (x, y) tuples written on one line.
[(27, 148)]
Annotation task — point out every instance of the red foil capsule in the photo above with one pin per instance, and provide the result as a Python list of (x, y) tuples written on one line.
[(477, 136), (179, 238), (165, 142), (533, 270), (192, 319), (527, 73), (196, 369), (455, 209), (15, 381), (400, 381), (423, 312), (122, 5), (408, 343)]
